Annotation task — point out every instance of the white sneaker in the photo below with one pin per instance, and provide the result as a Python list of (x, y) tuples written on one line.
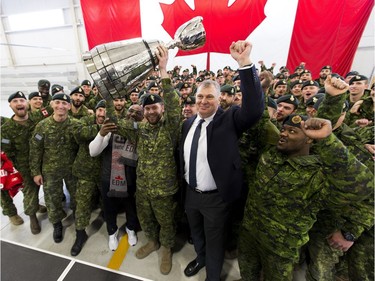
[(132, 237), (113, 241)]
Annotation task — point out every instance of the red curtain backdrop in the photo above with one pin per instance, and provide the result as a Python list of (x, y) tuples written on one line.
[(327, 33)]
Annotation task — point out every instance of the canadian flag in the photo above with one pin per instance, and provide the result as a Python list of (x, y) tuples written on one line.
[(287, 32)]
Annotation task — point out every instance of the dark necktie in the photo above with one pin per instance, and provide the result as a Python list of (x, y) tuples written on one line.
[(193, 156)]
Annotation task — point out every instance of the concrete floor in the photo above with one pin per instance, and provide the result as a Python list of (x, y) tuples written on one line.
[(97, 254)]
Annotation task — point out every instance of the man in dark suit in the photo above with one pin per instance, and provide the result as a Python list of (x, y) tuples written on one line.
[(212, 174)]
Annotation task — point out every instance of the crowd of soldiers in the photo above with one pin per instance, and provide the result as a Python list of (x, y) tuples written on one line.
[(314, 202)]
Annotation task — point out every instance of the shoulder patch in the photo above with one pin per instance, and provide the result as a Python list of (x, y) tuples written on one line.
[(38, 137)]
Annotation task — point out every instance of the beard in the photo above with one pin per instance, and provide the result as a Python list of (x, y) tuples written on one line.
[(77, 103)]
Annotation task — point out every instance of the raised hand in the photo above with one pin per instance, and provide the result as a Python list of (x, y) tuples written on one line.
[(240, 51), (316, 128), (334, 86)]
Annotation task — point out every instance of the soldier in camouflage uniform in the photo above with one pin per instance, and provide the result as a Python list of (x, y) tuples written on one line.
[(156, 171), (16, 133), (119, 105), (309, 89), (78, 109), (90, 98), (52, 153), (87, 171), (43, 88)]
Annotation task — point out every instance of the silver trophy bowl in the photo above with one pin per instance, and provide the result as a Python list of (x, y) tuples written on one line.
[(119, 66)]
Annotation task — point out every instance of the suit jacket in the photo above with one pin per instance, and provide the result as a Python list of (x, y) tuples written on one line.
[(223, 133)]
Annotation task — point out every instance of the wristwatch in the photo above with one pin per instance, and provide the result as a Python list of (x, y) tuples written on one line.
[(348, 236)]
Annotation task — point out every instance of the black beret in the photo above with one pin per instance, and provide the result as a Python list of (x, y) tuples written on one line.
[(184, 86), (236, 77), (345, 106), (227, 67), (357, 78), (61, 96), (86, 82), (310, 83), (101, 103), (271, 103), (229, 89), (77, 90), (34, 94), (189, 100), (280, 82), (220, 75), (238, 89), (134, 90), (44, 83), (337, 76), (16, 95), (293, 75), (294, 120), (299, 67), (280, 76), (291, 99), (186, 70), (141, 93), (311, 101), (152, 84), (56, 88), (326, 67), (352, 73), (305, 71), (151, 78), (151, 99), (296, 82), (199, 79)]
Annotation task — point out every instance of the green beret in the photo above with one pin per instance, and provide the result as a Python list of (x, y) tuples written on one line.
[(357, 78), (86, 83), (101, 103), (291, 99), (229, 89), (294, 120), (151, 99), (184, 86), (310, 83), (77, 90), (152, 84), (61, 96), (34, 94), (311, 101), (189, 100), (16, 95), (297, 82), (56, 88), (280, 82), (44, 83)]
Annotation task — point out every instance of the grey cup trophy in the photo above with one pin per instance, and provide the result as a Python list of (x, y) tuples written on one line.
[(119, 66)]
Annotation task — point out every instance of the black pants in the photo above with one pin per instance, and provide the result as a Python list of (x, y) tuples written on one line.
[(207, 215)]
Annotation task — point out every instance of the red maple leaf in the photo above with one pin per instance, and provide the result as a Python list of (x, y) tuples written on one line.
[(119, 178), (223, 24)]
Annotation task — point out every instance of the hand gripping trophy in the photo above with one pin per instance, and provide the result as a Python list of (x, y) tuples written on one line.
[(119, 66)]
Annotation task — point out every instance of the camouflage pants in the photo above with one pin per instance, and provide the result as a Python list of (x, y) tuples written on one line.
[(53, 193), (360, 257), (85, 200), (254, 258), (323, 258), (156, 216), (30, 199)]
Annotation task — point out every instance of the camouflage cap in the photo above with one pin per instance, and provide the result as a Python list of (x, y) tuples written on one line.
[(86, 83), (34, 94), (101, 103), (44, 83), (294, 120), (229, 89), (61, 96), (77, 90), (310, 83), (189, 100), (151, 99), (291, 99), (56, 88), (357, 78), (16, 95)]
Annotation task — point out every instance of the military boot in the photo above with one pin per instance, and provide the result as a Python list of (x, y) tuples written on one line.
[(57, 232), (34, 224), (16, 220), (81, 239), (147, 249), (166, 260), (42, 209)]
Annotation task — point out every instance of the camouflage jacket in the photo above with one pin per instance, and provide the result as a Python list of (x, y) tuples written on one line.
[(82, 112), (91, 101), (53, 147), (15, 138), (85, 166), (289, 192), (156, 145)]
